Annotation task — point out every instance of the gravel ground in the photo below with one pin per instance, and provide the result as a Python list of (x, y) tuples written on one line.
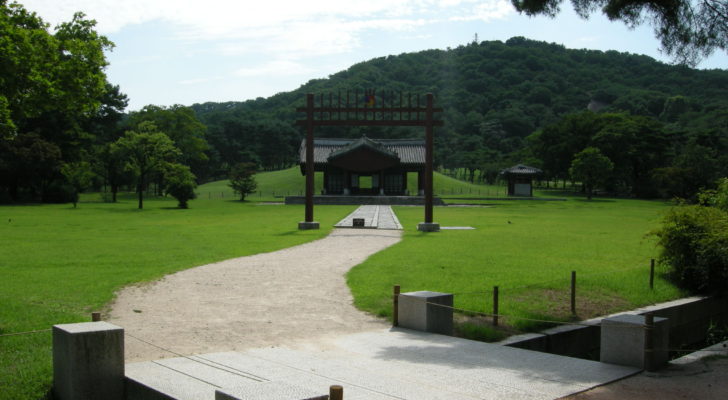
[(271, 299)]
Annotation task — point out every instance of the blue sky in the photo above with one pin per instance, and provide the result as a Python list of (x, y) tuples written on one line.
[(184, 52)]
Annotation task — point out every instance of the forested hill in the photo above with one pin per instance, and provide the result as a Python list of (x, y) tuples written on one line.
[(494, 94)]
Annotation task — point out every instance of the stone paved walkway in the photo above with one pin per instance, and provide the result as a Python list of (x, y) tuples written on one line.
[(375, 217)]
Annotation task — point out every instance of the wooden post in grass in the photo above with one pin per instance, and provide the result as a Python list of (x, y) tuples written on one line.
[(652, 274), (336, 392), (95, 316), (573, 292), (495, 305), (395, 305)]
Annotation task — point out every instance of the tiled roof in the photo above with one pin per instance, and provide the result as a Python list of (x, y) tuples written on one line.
[(521, 169), (410, 151)]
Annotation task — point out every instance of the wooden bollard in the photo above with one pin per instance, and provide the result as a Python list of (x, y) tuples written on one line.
[(95, 316), (336, 392), (652, 273), (495, 305), (573, 292), (395, 305)]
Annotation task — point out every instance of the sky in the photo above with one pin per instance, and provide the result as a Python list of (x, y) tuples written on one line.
[(184, 52)]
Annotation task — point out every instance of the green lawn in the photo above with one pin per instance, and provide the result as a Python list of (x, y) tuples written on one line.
[(528, 249), (57, 264)]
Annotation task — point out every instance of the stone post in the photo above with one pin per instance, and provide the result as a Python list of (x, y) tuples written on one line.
[(88, 361)]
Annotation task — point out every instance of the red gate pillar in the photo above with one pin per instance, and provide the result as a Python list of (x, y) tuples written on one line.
[(309, 223), (428, 225)]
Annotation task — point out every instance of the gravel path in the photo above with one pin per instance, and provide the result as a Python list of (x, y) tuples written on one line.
[(269, 299)]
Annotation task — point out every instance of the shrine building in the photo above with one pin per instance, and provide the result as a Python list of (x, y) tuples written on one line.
[(367, 166)]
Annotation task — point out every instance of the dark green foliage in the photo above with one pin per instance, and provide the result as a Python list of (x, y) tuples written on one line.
[(52, 88), (687, 29), (592, 168), (242, 179), (496, 96), (79, 176), (182, 126), (694, 241), (180, 183), (145, 152)]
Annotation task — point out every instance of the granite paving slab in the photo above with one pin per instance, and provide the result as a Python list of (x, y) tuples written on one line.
[(386, 364)]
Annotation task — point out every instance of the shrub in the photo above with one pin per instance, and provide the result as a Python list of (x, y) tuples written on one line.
[(694, 241), (180, 183)]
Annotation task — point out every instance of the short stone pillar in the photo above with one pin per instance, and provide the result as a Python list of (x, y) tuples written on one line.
[(623, 341), (88, 361), (415, 312)]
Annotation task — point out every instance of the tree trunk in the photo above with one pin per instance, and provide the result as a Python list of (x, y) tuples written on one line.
[(114, 189), (588, 192), (140, 190)]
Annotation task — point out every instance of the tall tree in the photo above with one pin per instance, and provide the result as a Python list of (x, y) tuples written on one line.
[(182, 126), (146, 151), (51, 84)]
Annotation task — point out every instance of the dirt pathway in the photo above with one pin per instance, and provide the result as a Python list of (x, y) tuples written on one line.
[(263, 300)]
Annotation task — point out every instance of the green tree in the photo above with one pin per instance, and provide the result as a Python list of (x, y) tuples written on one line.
[(687, 29), (79, 176), (182, 126), (51, 86), (242, 179), (592, 168), (146, 151), (180, 183)]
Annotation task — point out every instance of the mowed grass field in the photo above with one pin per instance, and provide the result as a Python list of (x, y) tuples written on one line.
[(57, 264), (528, 249)]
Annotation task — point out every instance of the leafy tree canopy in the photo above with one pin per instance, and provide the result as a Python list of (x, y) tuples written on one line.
[(146, 151), (687, 29)]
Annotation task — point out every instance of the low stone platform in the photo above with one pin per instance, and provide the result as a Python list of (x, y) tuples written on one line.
[(365, 200), (386, 364), (375, 217)]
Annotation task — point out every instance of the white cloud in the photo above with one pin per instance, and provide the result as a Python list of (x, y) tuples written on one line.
[(487, 11), (300, 27), (275, 68)]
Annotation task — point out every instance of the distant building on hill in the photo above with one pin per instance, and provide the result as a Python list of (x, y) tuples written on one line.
[(520, 178), (387, 161)]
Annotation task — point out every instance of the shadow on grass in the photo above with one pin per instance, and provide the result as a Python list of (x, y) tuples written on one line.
[(584, 200), (287, 233)]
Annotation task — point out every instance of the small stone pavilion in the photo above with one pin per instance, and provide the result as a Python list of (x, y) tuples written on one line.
[(520, 178), (345, 162)]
